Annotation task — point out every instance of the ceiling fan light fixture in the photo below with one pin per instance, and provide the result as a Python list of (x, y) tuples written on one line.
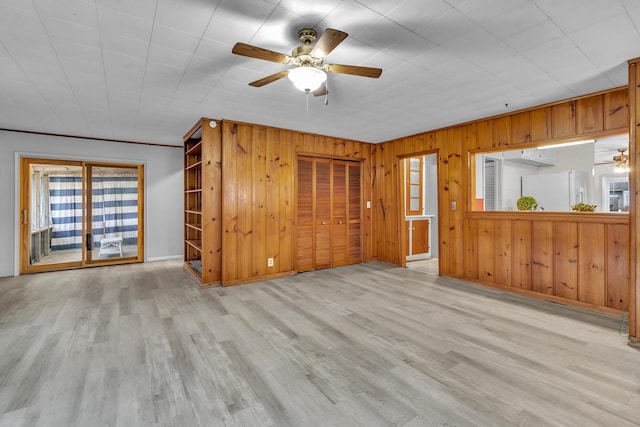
[(621, 162), (307, 79)]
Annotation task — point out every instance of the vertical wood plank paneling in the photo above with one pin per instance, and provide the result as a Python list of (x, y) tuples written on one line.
[(542, 258), (367, 212), (502, 252), (501, 131), (617, 266), (456, 194), (521, 128), (244, 150), (339, 147), (484, 131), (286, 149), (591, 259), (391, 237), (565, 246), (323, 146), (471, 249), (541, 123), (634, 212), (258, 205), (486, 243), (564, 119), (308, 144), (212, 203), (590, 114), (273, 184), (378, 200), (616, 109), (522, 242), (351, 149), (532, 242), (230, 201), (442, 140)]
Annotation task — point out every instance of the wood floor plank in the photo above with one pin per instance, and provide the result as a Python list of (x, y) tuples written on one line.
[(360, 345)]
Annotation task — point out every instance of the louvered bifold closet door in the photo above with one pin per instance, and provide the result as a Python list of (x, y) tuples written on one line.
[(329, 209), (339, 223), (305, 246), (322, 196), (355, 214)]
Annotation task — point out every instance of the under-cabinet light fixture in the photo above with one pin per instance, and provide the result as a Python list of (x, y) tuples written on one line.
[(567, 144)]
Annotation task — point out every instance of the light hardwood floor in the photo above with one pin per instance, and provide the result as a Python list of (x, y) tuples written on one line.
[(363, 345)]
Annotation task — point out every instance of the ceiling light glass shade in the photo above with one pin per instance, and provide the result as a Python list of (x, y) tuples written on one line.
[(307, 79), (622, 166), (621, 162)]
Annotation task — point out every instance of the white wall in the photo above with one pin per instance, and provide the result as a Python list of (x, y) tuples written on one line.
[(431, 199), (579, 158), (163, 187), (512, 174)]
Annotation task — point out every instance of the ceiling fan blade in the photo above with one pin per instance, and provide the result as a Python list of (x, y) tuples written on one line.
[(328, 41), (269, 79), (321, 91), (354, 70), (260, 53)]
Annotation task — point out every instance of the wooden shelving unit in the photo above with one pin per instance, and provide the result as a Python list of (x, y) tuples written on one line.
[(202, 201)]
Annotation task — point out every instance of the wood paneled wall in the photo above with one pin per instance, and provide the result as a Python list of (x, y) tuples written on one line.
[(634, 181), (574, 256), (466, 237), (258, 204)]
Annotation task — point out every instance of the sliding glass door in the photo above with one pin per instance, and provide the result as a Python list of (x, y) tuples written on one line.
[(75, 214), (113, 226)]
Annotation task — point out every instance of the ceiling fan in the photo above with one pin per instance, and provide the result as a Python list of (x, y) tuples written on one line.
[(621, 161), (310, 72)]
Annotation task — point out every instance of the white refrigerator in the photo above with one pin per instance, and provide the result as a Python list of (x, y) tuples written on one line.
[(556, 191)]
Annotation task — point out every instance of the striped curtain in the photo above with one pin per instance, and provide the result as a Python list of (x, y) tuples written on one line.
[(115, 208), (114, 205), (65, 200)]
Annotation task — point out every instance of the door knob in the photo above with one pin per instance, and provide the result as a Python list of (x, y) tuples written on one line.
[(339, 222)]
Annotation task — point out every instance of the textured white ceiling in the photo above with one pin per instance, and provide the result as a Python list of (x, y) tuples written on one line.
[(146, 70)]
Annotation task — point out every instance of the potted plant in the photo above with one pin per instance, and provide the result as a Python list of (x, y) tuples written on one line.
[(583, 207), (526, 203)]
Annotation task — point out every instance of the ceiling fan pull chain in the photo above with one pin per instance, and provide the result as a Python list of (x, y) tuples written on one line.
[(326, 94), (307, 92)]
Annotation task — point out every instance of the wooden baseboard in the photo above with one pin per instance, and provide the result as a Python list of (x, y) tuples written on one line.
[(634, 342), (579, 304), (257, 278)]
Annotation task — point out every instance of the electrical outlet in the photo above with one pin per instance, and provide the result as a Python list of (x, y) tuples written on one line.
[(269, 262)]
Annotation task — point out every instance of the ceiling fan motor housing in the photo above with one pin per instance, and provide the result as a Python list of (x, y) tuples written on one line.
[(307, 35)]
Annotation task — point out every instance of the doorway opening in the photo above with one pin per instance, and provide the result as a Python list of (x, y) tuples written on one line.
[(420, 213), (78, 214)]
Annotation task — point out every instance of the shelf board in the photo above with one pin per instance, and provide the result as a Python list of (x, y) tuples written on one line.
[(195, 149), (197, 244), (194, 226), (193, 166), (193, 211)]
